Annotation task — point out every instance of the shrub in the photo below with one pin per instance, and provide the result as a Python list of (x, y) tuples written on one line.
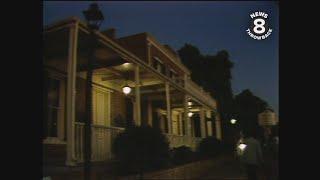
[(182, 155), (210, 147), (141, 148)]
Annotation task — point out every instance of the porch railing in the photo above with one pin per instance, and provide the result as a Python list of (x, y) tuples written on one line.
[(179, 140), (102, 139)]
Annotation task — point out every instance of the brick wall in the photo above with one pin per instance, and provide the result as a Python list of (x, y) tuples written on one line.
[(136, 44)]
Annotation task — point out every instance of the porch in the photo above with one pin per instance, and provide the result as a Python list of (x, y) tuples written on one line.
[(176, 105)]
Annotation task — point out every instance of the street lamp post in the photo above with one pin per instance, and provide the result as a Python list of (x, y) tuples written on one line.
[(94, 18), (233, 121)]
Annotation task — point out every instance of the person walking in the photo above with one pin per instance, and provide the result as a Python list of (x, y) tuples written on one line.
[(251, 155), (271, 157)]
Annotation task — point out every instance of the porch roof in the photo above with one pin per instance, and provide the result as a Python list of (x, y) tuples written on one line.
[(120, 54)]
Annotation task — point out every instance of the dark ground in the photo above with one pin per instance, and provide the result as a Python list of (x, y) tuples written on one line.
[(229, 170)]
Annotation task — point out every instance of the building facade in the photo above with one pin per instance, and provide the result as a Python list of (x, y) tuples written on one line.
[(163, 95)]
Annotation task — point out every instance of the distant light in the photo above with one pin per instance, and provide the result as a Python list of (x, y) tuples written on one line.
[(189, 103), (126, 90), (190, 114), (233, 121), (242, 146)]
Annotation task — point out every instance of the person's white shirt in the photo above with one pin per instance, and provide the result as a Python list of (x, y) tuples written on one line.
[(252, 154)]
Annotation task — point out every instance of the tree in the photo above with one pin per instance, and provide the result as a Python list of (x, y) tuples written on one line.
[(141, 148), (192, 58), (247, 108), (218, 82), (213, 73), (210, 147), (182, 155)]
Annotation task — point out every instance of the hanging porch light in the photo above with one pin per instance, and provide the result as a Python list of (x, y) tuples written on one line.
[(126, 89), (190, 114)]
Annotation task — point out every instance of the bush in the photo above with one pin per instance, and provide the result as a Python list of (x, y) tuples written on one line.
[(182, 155), (210, 147), (139, 149)]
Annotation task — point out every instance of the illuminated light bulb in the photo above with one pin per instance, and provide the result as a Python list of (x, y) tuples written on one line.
[(242, 146), (233, 121), (190, 114), (126, 90), (126, 64)]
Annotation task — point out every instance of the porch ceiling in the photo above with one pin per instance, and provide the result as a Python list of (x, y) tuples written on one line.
[(56, 47), (104, 57), (107, 54)]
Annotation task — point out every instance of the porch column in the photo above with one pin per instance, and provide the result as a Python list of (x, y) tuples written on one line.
[(71, 90), (162, 125), (149, 104), (138, 98), (209, 123), (180, 123), (209, 128), (149, 54), (187, 122), (218, 126), (168, 108), (202, 123)]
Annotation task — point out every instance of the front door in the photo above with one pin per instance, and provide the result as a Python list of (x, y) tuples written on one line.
[(101, 134)]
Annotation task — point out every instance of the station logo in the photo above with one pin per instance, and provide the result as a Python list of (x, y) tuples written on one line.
[(259, 27)]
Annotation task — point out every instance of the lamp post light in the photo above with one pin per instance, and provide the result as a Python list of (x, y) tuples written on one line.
[(242, 146), (233, 121), (94, 18)]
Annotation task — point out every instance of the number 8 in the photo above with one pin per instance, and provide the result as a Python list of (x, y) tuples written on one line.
[(259, 24)]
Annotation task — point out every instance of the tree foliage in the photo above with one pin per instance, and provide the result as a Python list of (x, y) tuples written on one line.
[(247, 108), (211, 147), (141, 148), (182, 155), (213, 73)]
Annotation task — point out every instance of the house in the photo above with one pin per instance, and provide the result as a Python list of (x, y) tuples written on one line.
[(162, 93)]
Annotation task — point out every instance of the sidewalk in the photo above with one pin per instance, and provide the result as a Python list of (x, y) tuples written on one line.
[(229, 170)]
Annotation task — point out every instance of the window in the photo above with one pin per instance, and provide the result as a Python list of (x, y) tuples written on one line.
[(173, 74), (54, 97), (158, 65), (155, 63), (53, 108)]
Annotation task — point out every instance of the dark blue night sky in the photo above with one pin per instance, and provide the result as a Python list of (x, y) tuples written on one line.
[(211, 26)]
